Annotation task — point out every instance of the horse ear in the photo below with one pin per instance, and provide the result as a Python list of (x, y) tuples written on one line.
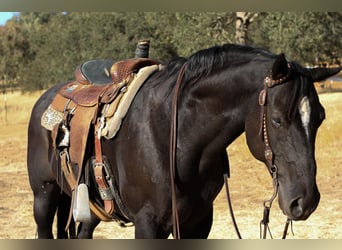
[(280, 67), (320, 74)]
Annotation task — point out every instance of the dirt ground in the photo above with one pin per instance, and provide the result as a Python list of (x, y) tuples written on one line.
[(250, 184)]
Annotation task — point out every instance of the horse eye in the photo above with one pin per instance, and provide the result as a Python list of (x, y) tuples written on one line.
[(276, 121)]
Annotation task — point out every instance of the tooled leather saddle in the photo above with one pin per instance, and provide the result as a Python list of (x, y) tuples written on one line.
[(96, 83)]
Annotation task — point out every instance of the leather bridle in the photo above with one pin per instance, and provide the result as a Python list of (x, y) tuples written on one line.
[(269, 82)]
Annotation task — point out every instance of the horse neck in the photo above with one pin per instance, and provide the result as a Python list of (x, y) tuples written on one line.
[(214, 109)]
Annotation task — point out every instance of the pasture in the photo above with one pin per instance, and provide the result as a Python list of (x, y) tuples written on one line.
[(249, 182)]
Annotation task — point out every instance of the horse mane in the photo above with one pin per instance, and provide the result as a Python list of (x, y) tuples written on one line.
[(207, 61), (213, 59)]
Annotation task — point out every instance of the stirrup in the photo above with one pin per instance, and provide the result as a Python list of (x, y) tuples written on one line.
[(81, 209)]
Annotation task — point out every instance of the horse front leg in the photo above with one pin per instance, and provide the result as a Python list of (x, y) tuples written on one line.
[(198, 230), (85, 230), (147, 226)]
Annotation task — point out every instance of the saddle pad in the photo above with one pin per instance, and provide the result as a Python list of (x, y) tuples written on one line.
[(113, 123)]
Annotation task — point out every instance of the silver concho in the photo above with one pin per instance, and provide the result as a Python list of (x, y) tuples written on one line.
[(50, 118)]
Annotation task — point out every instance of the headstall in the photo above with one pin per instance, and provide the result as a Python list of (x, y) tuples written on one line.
[(268, 152), (269, 82)]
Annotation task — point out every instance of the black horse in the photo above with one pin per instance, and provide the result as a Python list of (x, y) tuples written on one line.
[(218, 100)]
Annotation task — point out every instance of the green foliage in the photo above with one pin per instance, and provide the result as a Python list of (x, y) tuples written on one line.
[(39, 49), (307, 37)]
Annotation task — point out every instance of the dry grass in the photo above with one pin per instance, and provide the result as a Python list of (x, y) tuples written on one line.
[(15, 107), (249, 183)]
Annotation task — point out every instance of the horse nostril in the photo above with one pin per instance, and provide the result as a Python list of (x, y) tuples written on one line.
[(297, 208)]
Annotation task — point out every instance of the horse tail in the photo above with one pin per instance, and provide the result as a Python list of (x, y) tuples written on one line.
[(63, 210)]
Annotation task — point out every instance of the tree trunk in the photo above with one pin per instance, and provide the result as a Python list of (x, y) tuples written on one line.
[(243, 20)]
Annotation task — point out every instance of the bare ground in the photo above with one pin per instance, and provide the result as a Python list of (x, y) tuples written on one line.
[(249, 184)]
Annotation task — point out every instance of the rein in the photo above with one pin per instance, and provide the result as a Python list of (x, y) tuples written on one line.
[(173, 149), (269, 156)]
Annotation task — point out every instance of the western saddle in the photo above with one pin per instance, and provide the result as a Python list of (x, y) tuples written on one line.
[(80, 106)]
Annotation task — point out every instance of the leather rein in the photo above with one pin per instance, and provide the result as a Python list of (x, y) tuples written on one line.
[(173, 149), (269, 82)]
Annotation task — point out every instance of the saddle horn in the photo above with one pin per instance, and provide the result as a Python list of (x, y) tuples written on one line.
[(142, 50)]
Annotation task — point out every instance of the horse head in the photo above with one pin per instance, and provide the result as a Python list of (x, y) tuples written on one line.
[(281, 132)]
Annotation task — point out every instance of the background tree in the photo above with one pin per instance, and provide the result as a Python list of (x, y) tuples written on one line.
[(13, 51), (243, 20), (39, 49), (308, 37)]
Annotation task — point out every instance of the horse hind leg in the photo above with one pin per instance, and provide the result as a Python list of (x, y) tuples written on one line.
[(45, 204), (85, 230), (63, 210)]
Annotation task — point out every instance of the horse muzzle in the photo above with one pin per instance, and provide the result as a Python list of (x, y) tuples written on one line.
[(300, 208)]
